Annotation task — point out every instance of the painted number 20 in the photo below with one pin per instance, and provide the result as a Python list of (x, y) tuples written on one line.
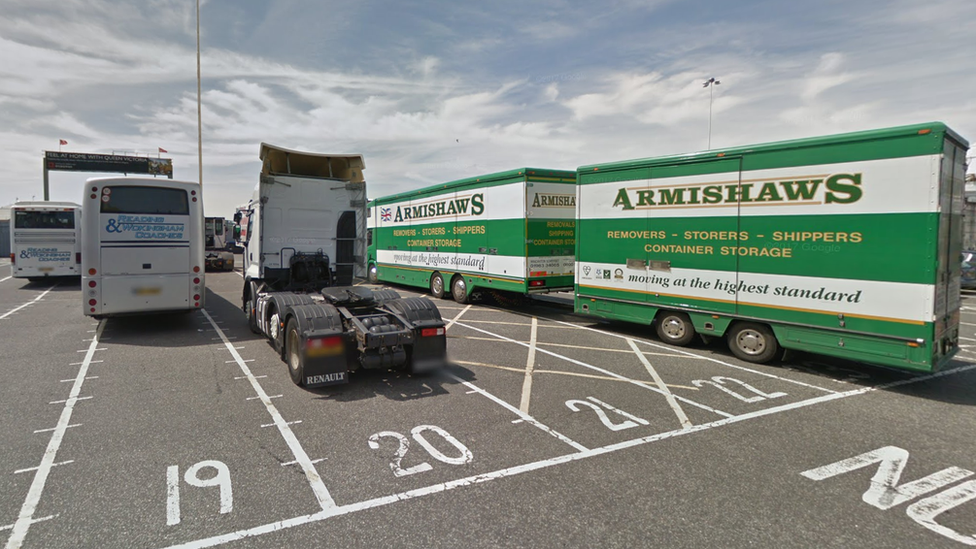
[(418, 435)]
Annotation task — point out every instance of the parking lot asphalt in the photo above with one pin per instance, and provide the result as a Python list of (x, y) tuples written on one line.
[(546, 429)]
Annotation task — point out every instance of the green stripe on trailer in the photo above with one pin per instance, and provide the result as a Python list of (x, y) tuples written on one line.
[(512, 231), (844, 245)]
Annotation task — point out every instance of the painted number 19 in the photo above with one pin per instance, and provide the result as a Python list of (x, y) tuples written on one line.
[(192, 477)]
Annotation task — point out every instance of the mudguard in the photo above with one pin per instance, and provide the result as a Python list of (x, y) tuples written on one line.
[(427, 352), (382, 296), (321, 320), (269, 317)]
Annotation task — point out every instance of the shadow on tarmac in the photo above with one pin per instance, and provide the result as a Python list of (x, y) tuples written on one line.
[(397, 385), (182, 329), (954, 389), (57, 284)]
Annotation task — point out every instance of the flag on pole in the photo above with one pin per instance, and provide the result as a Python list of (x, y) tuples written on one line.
[(63, 142), (162, 150)]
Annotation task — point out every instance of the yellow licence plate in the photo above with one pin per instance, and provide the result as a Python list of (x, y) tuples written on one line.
[(148, 291), (45, 269)]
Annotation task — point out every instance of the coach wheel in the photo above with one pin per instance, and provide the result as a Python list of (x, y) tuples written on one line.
[(437, 285), (459, 290), (373, 274), (675, 328), (753, 342), (293, 350)]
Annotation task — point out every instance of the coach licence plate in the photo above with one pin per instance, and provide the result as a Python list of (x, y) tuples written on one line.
[(148, 291), (45, 269)]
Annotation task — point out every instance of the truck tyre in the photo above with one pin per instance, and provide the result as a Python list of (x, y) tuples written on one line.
[(437, 285), (373, 274), (675, 328), (753, 342), (459, 289), (249, 307), (293, 352)]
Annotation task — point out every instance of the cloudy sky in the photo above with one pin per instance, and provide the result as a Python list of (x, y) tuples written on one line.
[(433, 91)]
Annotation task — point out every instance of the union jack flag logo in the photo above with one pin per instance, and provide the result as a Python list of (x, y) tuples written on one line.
[(385, 214)]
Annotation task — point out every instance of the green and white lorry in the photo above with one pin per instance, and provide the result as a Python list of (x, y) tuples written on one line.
[(845, 245), (512, 231)]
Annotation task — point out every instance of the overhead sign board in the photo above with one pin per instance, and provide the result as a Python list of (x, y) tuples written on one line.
[(113, 163)]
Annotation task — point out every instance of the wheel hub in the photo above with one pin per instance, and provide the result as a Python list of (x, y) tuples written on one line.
[(674, 328), (273, 327), (751, 342)]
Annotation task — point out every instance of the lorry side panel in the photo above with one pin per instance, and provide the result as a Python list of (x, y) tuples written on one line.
[(479, 228), (831, 241)]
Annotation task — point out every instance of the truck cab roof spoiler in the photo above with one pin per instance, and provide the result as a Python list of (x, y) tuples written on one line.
[(281, 161)]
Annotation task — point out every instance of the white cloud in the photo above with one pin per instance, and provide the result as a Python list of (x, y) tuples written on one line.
[(479, 90)]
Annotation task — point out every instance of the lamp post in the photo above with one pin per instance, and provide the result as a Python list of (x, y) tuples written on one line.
[(199, 115), (710, 83)]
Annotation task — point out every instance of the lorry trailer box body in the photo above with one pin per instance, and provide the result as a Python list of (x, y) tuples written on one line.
[(512, 231), (844, 245)]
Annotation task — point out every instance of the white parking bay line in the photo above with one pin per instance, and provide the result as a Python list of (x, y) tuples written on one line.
[(522, 415), (26, 517), (668, 395), (537, 465), (702, 357), (598, 369), (31, 302), (455, 319), (529, 366), (314, 480)]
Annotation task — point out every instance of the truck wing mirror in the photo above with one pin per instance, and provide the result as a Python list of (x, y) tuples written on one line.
[(237, 217)]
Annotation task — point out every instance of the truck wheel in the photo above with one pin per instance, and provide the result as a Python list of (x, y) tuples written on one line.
[(459, 290), (249, 309), (753, 342), (373, 275), (293, 352), (675, 328), (437, 285)]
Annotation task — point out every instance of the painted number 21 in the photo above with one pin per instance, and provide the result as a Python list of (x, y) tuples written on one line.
[(465, 455), (630, 422)]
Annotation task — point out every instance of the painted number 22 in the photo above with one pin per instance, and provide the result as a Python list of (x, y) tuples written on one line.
[(418, 435)]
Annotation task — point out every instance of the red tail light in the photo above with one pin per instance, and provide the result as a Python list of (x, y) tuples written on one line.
[(536, 283), (319, 342), (428, 332), (13, 258), (196, 280), (196, 297), (91, 283), (92, 302), (324, 346)]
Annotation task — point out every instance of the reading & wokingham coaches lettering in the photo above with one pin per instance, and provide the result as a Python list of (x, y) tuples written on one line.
[(45, 239), (143, 246)]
